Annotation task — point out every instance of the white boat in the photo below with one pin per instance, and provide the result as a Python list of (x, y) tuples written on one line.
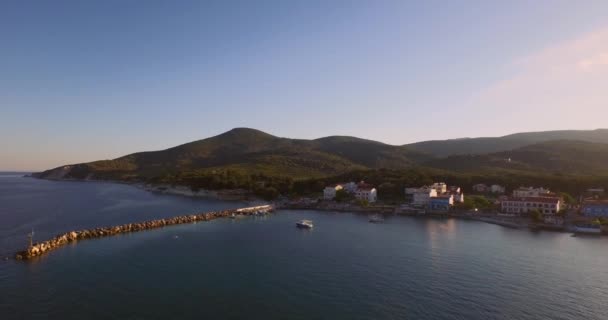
[(305, 224), (376, 219), (587, 230)]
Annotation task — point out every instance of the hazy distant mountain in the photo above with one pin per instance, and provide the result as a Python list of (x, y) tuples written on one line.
[(444, 148), (253, 151), (563, 157)]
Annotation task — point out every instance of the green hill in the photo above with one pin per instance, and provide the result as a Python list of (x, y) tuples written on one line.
[(244, 152), (251, 151)]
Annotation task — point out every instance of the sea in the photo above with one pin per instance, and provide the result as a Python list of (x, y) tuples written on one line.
[(266, 268)]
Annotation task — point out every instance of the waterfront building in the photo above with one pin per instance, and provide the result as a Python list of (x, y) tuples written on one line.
[(329, 193), (419, 196), (441, 203), (366, 193), (595, 208), (530, 192), (519, 205)]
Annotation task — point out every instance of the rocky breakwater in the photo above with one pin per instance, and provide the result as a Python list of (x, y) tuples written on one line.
[(40, 248)]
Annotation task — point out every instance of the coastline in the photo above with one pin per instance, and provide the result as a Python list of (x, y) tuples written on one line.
[(177, 190), (244, 195), (230, 195)]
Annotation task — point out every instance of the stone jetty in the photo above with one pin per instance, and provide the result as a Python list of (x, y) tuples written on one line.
[(40, 248)]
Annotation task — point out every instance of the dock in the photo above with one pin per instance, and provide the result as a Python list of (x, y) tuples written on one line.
[(40, 248)]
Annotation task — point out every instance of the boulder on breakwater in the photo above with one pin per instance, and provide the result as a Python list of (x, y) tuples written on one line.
[(40, 248)]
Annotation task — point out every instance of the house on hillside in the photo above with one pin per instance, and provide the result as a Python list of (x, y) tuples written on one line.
[(329, 193), (530, 192), (495, 188)]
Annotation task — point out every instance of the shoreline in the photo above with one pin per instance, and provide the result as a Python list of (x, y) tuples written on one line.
[(517, 223), (244, 195), (176, 190)]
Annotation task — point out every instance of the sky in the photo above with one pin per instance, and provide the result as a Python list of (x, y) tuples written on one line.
[(89, 80)]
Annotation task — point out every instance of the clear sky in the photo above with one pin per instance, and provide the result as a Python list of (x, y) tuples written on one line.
[(88, 80)]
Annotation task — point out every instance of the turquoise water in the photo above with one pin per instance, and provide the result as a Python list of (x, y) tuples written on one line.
[(265, 268)]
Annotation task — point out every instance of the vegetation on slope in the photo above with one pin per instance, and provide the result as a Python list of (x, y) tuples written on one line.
[(267, 165), (476, 146)]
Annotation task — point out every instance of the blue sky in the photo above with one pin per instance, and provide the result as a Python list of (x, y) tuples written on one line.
[(88, 80)]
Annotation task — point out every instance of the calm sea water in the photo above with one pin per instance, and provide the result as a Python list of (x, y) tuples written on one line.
[(265, 268)]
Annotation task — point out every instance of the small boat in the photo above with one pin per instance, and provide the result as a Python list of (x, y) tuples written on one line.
[(376, 219), (587, 229), (304, 224)]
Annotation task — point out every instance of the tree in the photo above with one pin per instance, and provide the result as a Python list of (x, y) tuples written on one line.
[(267, 194), (364, 203), (342, 196), (568, 199), (536, 215), (479, 202)]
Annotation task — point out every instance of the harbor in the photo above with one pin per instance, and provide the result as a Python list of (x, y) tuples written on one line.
[(40, 248)]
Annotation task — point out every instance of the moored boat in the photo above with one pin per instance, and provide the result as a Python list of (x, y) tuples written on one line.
[(304, 224), (376, 219), (588, 229)]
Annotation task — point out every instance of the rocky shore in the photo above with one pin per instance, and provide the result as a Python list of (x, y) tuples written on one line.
[(40, 248)]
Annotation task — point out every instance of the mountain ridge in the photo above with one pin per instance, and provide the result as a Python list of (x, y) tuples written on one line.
[(253, 151)]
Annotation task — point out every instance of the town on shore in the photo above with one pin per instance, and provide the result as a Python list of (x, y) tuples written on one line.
[(536, 208)]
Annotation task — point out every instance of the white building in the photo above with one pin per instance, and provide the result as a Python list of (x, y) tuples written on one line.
[(440, 187), (530, 192), (441, 203), (544, 205), (329, 193), (366, 193), (457, 196), (420, 196), (495, 188)]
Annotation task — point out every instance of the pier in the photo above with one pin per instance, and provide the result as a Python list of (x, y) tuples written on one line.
[(40, 248)]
